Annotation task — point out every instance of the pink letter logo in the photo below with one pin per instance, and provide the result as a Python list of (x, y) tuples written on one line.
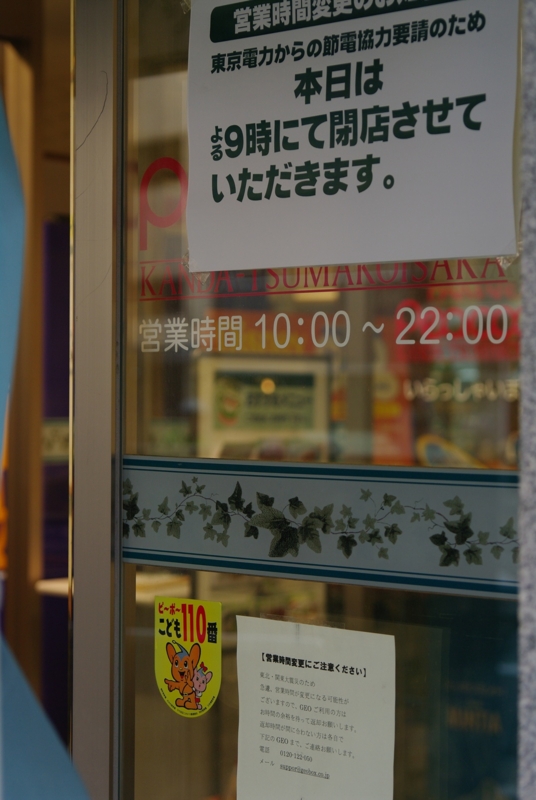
[(146, 212)]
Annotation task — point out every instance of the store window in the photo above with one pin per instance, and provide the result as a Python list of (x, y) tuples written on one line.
[(334, 445)]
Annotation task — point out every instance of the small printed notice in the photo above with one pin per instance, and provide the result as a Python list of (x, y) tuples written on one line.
[(317, 712), (187, 654), (350, 131)]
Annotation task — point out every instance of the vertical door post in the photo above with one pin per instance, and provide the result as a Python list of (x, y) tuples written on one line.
[(93, 401), (527, 572)]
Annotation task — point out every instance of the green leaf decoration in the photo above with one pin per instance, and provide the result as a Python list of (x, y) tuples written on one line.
[(450, 557), (131, 507), (185, 490), (174, 528), (267, 517), (285, 541), (473, 555), (296, 507), (164, 507), (392, 532), (288, 536), (313, 542), (508, 530), (346, 544), (222, 516), (374, 537), (251, 530), (210, 532), (223, 538), (264, 500), (462, 529), (323, 515), (455, 505), (369, 522), (236, 500), (428, 514), (280, 523), (308, 533)]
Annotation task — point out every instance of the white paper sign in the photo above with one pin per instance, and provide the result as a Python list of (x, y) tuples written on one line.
[(317, 712), (333, 132)]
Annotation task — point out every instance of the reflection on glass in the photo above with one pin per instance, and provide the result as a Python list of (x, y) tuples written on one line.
[(404, 364), (401, 364), (408, 364), (388, 364), (456, 686)]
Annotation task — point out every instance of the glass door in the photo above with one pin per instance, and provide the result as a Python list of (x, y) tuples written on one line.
[(329, 445)]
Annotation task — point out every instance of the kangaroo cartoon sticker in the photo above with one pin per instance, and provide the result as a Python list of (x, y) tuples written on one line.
[(188, 654)]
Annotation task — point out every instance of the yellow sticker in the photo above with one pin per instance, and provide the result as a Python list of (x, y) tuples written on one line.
[(187, 654)]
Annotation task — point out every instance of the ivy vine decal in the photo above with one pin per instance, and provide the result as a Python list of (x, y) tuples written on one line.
[(295, 526)]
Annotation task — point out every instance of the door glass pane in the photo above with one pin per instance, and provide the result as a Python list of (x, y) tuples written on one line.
[(456, 685), (408, 365)]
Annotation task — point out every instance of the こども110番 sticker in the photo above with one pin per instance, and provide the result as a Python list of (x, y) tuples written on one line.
[(187, 654)]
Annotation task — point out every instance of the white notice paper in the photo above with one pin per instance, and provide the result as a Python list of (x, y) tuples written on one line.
[(317, 712), (337, 132)]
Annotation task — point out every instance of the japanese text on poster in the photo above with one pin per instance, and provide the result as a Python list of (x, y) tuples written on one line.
[(332, 131), (317, 712)]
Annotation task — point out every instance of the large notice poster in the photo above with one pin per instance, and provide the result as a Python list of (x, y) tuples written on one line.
[(340, 131), (317, 712)]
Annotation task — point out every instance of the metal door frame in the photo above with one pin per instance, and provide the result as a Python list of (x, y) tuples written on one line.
[(95, 403)]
